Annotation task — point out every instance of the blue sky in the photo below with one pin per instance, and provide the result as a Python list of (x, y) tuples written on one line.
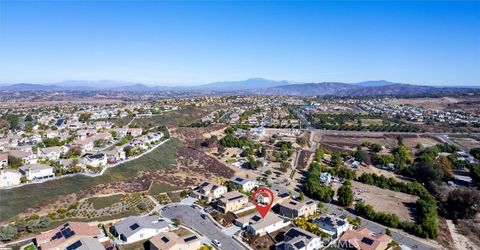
[(197, 42)]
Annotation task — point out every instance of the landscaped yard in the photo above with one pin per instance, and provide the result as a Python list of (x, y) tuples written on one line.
[(30, 247), (131, 204)]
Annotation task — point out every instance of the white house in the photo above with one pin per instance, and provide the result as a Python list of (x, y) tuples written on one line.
[(51, 153), (9, 177), (299, 239), (332, 224), (246, 184), (85, 144), (115, 155), (134, 132), (37, 171), (96, 160), (209, 191), (136, 228), (271, 223)]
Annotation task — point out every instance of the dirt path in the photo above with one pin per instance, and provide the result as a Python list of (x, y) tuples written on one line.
[(461, 242)]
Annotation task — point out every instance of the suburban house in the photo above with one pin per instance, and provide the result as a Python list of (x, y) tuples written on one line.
[(299, 239), (256, 225), (154, 137), (171, 241), (332, 224), (51, 153), (246, 185), (9, 177), (292, 208), (209, 191), (231, 202), (136, 228), (103, 136), (95, 160), (364, 239), (86, 244), (25, 157), (65, 235), (3, 159), (134, 132), (115, 155), (37, 171), (85, 144)]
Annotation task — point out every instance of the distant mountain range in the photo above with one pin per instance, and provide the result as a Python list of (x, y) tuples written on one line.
[(252, 86)]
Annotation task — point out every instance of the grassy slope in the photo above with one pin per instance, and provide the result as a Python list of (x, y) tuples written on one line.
[(16, 200), (106, 201)]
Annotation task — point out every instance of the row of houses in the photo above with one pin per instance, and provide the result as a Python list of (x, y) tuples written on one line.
[(35, 166), (92, 236)]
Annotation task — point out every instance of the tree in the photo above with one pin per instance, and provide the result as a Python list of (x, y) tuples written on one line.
[(336, 160), (184, 194), (7, 233), (261, 152), (345, 194), (301, 141), (85, 116), (475, 152), (113, 133), (12, 121), (28, 127), (301, 197), (445, 164), (475, 174), (74, 152), (402, 157), (247, 152), (384, 160), (29, 118), (463, 203), (376, 147), (14, 162), (319, 153)]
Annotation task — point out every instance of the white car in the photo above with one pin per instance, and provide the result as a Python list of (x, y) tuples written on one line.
[(216, 243)]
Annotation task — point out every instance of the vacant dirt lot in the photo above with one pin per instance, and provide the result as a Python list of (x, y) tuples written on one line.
[(467, 143), (386, 200), (349, 141), (371, 169), (431, 103)]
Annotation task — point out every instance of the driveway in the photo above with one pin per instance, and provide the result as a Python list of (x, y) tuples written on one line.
[(191, 218)]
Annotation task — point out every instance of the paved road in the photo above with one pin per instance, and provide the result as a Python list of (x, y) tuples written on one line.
[(191, 217)]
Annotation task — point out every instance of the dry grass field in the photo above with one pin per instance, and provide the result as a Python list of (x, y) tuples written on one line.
[(431, 103), (349, 141), (465, 142), (387, 201)]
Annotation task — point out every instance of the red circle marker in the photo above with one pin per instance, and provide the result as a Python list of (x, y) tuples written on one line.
[(263, 208)]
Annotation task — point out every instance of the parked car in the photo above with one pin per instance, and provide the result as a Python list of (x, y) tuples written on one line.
[(216, 243)]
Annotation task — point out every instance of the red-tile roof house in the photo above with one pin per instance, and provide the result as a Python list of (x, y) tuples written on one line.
[(66, 234), (364, 239)]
